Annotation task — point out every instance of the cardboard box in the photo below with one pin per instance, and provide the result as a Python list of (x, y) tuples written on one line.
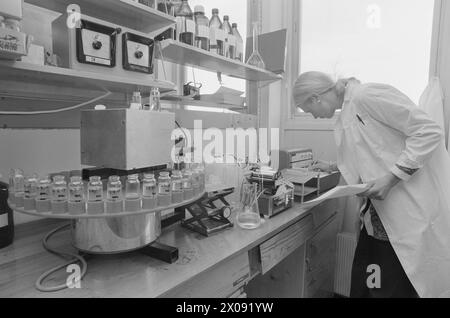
[(11, 9), (13, 44)]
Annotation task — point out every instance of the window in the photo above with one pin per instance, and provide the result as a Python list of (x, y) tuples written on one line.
[(237, 11), (380, 41)]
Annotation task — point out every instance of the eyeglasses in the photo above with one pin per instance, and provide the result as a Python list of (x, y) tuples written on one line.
[(318, 95)]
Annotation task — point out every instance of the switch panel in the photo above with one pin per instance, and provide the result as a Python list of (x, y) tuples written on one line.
[(137, 53)]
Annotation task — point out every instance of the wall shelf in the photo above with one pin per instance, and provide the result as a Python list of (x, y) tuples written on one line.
[(61, 77), (126, 13), (180, 53)]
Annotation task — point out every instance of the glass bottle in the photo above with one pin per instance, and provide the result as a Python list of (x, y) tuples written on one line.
[(187, 185), (239, 53), (185, 23), (136, 101), (168, 7), (59, 195), (95, 195), (155, 100), (216, 35), (202, 28), (149, 192), (230, 40), (30, 193), (177, 187), (255, 59), (43, 197), (164, 189), (76, 196), (133, 193), (248, 216), (18, 187), (114, 195)]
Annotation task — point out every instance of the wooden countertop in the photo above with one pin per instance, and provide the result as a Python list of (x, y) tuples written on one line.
[(132, 274)]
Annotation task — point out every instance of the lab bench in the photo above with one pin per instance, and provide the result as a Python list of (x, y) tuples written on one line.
[(289, 255)]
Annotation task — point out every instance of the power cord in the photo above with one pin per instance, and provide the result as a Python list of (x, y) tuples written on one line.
[(75, 259)]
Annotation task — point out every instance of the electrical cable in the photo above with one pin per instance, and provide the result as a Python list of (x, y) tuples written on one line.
[(75, 259), (44, 112)]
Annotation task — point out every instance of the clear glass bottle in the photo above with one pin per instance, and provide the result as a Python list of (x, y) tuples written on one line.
[(164, 189), (239, 53), (155, 100), (255, 59), (187, 185), (114, 195), (136, 101), (185, 23), (76, 196), (149, 192), (18, 187), (169, 7), (230, 40), (59, 195), (44, 194), (202, 28), (12, 173), (216, 35), (95, 204), (31, 192), (177, 187), (133, 187)]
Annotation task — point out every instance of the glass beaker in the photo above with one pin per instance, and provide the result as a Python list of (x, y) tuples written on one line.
[(248, 216), (255, 59)]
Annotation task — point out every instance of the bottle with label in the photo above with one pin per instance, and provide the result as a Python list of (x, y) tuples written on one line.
[(168, 7), (59, 195), (114, 195), (76, 196), (95, 196), (19, 187), (136, 101), (202, 28), (177, 186), (216, 34), (6, 218), (43, 202), (239, 53), (164, 189), (185, 23), (230, 40), (149, 192), (31, 192), (187, 185)]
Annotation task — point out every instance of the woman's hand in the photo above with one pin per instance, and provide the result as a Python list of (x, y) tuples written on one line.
[(324, 166), (379, 189)]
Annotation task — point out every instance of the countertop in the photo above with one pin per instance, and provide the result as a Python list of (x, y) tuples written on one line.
[(132, 274)]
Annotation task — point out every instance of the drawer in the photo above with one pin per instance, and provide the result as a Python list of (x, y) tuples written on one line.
[(219, 282), (274, 250), (323, 212)]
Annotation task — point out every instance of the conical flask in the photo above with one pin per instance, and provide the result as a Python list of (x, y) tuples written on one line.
[(248, 216), (255, 59)]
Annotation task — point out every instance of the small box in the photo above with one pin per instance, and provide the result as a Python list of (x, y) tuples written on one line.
[(35, 55), (126, 139), (13, 44), (11, 9)]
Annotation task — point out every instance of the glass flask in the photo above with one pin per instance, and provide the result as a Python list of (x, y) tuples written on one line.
[(239, 53), (149, 192), (31, 192), (202, 28), (43, 196), (76, 195), (230, 40), (255, 59), (185, 23), (59, 195), (95, 189), (164, 189), (177, 187), (187, 185), (248, 216), (155, 100), (216, 34)]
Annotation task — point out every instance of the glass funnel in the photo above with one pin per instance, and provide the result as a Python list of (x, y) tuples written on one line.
[(255, 59)]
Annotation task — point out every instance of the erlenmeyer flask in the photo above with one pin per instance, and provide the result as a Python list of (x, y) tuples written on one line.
[(255, 59), (248, 214)]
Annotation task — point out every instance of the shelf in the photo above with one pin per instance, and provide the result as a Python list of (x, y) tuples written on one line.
[(180, 53), (127, 13), (200, 103), (61, 77), (67, 216)]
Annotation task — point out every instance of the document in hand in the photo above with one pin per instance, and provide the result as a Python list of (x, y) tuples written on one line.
[(338, 192)]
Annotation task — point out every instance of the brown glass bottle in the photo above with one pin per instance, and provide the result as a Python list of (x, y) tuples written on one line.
[(185, 23)]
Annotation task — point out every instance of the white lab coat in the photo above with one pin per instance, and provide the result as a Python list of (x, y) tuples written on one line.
[(416, 213)]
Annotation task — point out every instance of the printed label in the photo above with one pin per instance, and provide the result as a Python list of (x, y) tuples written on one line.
[(203, 31), (3, 220)]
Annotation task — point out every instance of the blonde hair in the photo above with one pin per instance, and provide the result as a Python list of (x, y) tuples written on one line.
[(310, 83)]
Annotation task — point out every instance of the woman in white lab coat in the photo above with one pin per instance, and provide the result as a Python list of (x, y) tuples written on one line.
[(386, 141)]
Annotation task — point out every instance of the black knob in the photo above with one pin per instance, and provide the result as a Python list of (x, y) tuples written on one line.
[(138, 54), (97, 45)]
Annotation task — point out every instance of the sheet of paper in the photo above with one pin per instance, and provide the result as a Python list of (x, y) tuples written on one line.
[(338, 192)]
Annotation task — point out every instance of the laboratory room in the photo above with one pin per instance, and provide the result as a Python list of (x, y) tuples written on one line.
[(224, 149)]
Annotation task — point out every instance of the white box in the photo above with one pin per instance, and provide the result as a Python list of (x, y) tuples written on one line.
[(11, 9), (126, 139), (35, 55)]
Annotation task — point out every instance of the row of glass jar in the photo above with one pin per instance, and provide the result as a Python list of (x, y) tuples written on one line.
[(44, 196)]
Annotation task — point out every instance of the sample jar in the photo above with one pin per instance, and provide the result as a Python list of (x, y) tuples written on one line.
[(95, 203), (59, 195), (133, 194), (43, 203), (164, 189), (187, 185), (31, 192), (76, 196), (114, 195), (149, 192), (19, 187), (177, 187)]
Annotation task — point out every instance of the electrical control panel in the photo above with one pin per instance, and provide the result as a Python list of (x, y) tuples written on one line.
[(94, 45)]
